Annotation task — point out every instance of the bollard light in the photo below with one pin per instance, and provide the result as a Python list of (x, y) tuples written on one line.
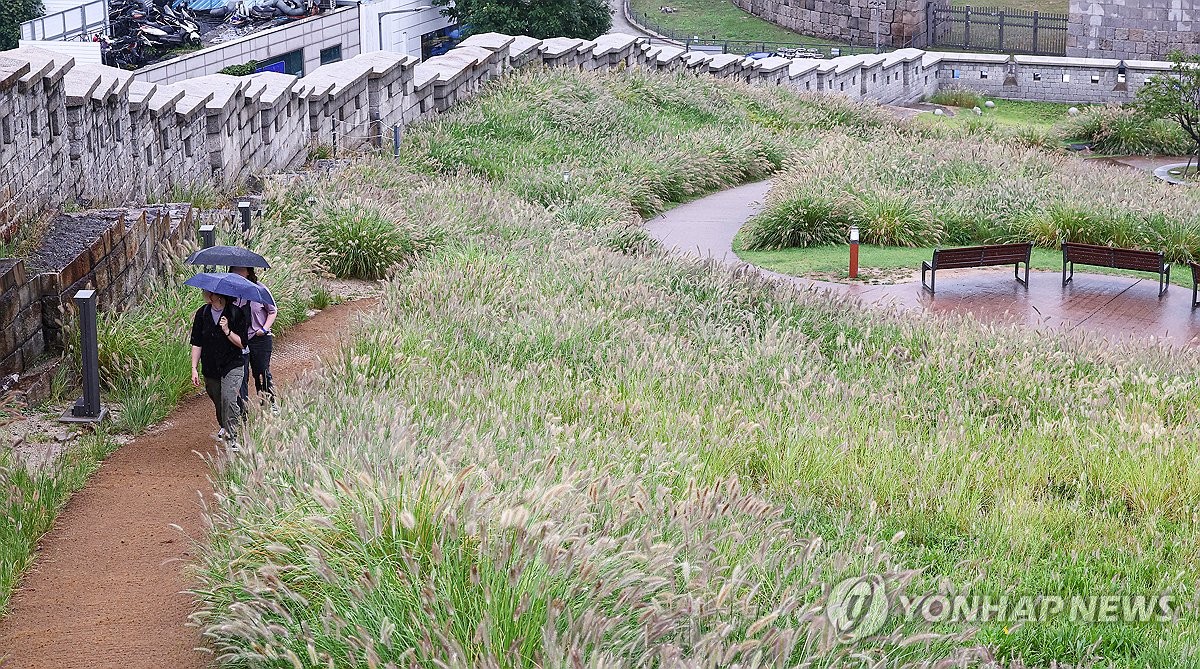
[(244, 210), (87, 409), (566, 177), (854, 252), (396, 137), (208, 236)]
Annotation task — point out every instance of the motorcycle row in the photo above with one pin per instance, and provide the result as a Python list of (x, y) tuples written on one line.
[(143, 31)]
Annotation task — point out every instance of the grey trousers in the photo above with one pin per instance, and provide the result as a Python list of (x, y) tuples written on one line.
[(224, 392)]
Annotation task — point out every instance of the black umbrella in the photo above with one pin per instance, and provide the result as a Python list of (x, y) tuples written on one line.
[(230, 256), (233, 285)]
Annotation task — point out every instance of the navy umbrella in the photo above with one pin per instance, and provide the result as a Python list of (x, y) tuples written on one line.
[(233, 285), (230, 256)]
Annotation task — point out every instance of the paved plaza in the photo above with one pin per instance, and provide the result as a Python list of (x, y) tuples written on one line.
[(1112, 306)]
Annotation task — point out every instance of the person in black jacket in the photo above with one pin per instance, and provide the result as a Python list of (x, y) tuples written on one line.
[(218, 335)]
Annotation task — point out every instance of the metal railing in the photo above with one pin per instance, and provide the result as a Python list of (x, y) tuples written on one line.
[(89, 18), (997, 29)]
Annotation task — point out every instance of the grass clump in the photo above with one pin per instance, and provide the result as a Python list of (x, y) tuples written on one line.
[(809, 218), (1119, 131), (356, 238), (957, 97), (923, 191), (30, 500)]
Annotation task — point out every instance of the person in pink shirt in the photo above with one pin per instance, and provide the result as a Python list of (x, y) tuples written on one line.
[(261, 318)]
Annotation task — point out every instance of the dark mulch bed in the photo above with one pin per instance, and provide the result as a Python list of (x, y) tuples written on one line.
[(68, 236)]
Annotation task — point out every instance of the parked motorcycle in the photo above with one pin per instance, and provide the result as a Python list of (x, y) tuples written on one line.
[(169, 36), (266, 10), (158, 24), (127, 53)]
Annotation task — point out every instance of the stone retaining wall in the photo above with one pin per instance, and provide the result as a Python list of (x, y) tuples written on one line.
[(123, 261), (91, 134), (902, 23)]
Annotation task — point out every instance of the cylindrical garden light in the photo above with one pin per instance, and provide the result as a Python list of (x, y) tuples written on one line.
[(854, 252)]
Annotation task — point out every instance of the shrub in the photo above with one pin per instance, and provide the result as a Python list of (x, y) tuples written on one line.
[(1116, 130), (243, 70), (957, 97)]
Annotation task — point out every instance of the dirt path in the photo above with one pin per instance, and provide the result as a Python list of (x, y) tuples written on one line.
[(107, 587)]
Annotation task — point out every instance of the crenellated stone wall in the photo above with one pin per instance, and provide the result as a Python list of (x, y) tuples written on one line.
[(89, 134)]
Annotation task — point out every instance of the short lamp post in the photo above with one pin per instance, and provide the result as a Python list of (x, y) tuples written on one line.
[(244, 211), (87, 409), (854, 252), (208, 236), (399, 11)]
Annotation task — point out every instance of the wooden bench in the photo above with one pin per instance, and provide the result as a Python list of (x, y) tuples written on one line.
[(1195, 282), (978, 256), (1107, 256)]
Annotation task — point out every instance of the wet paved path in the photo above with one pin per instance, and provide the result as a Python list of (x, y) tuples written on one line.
[(1116, 307)]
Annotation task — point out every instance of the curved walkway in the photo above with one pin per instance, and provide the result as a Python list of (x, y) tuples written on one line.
[(107, 587), (621, 22), (1116, 307)]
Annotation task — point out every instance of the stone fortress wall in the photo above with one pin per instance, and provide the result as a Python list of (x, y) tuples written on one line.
[(1148, 29), (1130, 29), (86, 135), (902, 23)]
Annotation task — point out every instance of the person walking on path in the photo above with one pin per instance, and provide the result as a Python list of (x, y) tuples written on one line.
[(219, 332), (261, 317)]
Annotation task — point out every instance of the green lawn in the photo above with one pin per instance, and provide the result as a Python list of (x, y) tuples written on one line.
[(1008, 115), (715, 19), (831, 262), (1057, 6), (1015, 113)]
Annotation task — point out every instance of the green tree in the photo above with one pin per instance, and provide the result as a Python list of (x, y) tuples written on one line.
[(12, 14), (1175, 96), (541, 19)]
